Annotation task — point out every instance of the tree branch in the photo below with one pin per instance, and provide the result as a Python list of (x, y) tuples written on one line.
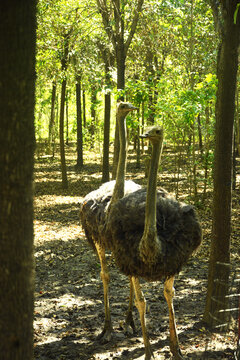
[(217, 16), (102, 8), (134, 25)]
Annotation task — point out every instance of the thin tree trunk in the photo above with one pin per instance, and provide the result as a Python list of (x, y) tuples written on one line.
[(67, 124), (107, 115), (143, 123), (108, 61), (84, 107), (206, 155), (194, 164), (219, 266), (138, 148), (200, 134), (56, 127), (79, 124), (17, 102), (92, 128), (52, 116), (120, 86), (61, 135)]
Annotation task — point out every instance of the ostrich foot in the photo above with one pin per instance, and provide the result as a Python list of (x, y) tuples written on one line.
[(129, 326), (105, 336)]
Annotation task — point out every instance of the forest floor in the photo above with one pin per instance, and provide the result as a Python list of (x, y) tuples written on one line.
[(69, 309)]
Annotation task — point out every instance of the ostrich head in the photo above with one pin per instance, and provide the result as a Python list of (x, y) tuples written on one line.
[(123, 108), (155, 134)]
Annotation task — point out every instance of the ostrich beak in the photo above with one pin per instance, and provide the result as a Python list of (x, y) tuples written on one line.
[(143, 136), (132, 108)]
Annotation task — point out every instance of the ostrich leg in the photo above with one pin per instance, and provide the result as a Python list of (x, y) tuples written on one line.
[(141, 306), (129, 327), (106, 334), (174, 343)]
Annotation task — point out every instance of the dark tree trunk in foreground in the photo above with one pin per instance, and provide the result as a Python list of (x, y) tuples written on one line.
[(219, 265), (17, 87), (79, 123)]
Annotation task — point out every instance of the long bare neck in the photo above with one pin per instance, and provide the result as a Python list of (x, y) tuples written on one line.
[(149, 245), (118, 191), (150, 211), (151, 201)]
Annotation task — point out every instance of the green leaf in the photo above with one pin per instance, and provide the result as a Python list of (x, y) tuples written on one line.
[(236, 13)]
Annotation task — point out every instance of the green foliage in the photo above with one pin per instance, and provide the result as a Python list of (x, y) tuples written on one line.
[(169, 70)]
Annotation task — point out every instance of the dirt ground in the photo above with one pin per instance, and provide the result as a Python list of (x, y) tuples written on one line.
[(69, 309)]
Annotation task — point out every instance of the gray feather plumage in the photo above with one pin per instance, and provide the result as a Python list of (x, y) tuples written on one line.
[(93, 211), (178, 230)]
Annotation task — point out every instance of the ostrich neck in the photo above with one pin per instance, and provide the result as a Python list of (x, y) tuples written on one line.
[(118, 191), (151, 201)]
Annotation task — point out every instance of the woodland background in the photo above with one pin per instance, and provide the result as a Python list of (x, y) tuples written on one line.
[(67, 63)]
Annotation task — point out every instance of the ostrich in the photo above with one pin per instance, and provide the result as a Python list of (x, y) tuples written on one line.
[(152, 236), (94, 212)]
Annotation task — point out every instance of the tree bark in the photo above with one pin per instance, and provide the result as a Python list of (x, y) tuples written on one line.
[(107, 116), (64, 62), (84, 107), (79, 124), (200, 134), (52, 116), (92, 127), (67, 123), (61, 136), (17, 101), (237, 125), (219, 264), (108, 62)]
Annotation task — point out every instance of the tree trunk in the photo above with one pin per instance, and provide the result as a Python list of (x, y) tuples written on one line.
[(79, 124), (67, 123), (17, 101), (219, 265), (121, 65), (138, 148), (108, 61), (93, 115), (120, 86), (52, 116), (107, 116), (61, 135), (234, 164), (200, 135), (206, 154), (84, 107), (237, 126)]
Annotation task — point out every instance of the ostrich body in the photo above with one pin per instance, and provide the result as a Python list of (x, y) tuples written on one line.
[(94, 213), (153, 236)]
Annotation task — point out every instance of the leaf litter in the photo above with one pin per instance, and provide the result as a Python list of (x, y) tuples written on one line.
[(69, 308)]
